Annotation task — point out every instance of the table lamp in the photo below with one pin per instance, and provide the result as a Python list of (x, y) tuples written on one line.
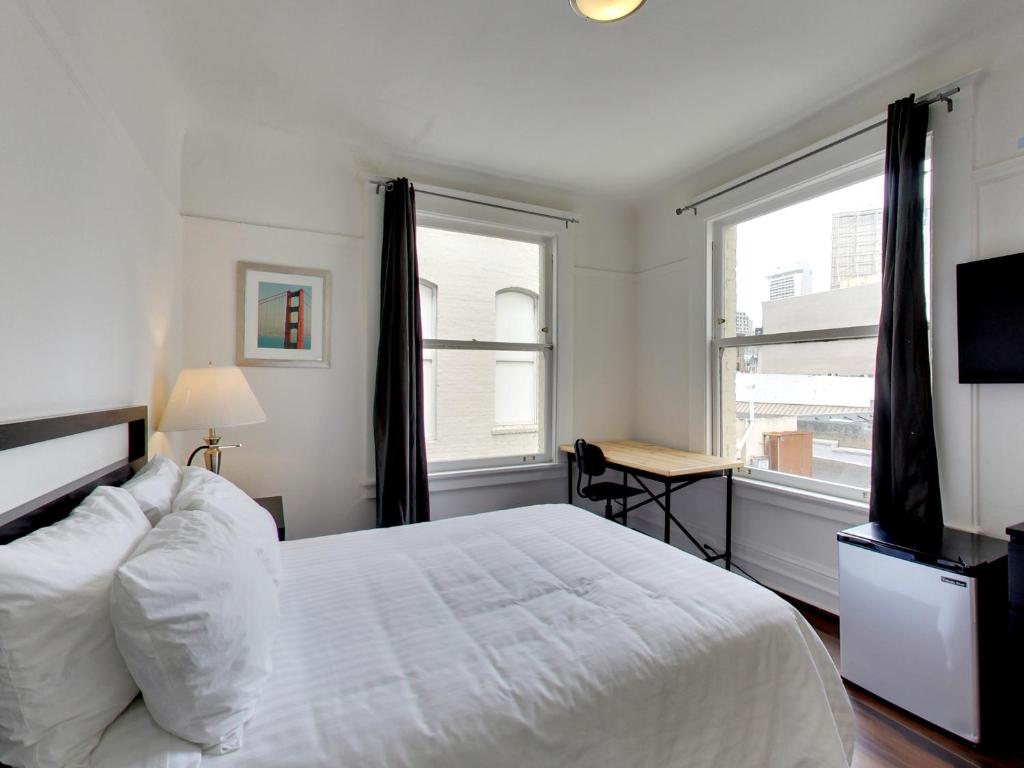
[(208, 398)]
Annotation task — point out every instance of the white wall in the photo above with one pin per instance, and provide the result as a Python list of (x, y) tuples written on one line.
[(310, 450), (305, 187), (787, 539), (90, 261)]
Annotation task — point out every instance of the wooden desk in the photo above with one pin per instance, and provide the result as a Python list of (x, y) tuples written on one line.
[(672, 468)]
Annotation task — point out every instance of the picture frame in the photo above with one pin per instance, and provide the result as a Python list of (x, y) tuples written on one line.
[(283, 316)]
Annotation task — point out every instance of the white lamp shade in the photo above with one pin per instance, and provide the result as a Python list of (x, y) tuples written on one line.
[(211, 397), (605, 10)]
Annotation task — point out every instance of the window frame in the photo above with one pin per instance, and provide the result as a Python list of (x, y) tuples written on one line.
[(547, 325), (430, 425), (844, 175)]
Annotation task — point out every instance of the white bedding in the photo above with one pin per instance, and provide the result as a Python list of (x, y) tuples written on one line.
[(542, 636)]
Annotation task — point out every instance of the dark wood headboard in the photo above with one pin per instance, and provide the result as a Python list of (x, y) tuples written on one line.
[(58, 503)]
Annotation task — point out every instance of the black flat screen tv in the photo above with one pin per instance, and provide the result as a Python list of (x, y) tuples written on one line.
[(990, 320)]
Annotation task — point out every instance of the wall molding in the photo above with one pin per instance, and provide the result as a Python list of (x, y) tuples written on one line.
[(658, 271), (664, 269), (843, 511), (284, 227), (998, 171), (819, 506), (981, 177), (605, 272), (444, 482)]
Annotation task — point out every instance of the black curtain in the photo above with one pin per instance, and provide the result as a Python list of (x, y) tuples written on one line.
[(398, 431), (904, 466)]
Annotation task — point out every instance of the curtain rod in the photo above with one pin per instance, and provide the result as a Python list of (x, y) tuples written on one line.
[(944, 95), (388, 184)]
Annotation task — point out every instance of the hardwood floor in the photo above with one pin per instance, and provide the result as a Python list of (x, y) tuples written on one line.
[(890, 737)]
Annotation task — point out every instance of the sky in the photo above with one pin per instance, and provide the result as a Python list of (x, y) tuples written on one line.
[(780, 240), (798, 233)]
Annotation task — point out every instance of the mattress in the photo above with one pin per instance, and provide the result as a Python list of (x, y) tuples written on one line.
[(541, 636)]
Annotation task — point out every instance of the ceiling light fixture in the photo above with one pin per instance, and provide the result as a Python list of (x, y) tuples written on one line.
[(606, 10)]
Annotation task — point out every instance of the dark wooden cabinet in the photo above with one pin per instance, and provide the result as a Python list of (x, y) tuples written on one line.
[(1015, 626), (275, 506), (1016, 533)]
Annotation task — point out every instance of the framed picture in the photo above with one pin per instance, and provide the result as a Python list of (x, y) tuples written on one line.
[(283, 316)]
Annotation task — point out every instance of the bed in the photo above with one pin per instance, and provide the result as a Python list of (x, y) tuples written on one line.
[(540, 636)]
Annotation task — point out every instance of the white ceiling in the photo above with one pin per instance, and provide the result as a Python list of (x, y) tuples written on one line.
[(525, 88)]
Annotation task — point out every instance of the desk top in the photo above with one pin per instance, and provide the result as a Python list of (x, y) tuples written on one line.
[(657, 459)]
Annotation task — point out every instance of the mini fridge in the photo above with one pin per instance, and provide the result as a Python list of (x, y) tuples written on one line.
[(922, 623)]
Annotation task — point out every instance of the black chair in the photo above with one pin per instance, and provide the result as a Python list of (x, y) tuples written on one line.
[(590, 461)]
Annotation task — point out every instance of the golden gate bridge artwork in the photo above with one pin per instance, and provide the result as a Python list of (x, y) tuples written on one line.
[(284, 316)]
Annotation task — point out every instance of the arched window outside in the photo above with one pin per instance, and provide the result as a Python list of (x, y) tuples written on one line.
[(515, 374)]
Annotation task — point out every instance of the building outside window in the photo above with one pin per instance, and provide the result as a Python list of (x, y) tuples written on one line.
[(487, 355), (856, 248), (515, 373), (794, 397)]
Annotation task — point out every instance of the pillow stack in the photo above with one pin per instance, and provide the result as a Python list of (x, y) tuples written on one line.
[(206, 491), (62, 679), (195, 612), (155, 487), (167, 585)]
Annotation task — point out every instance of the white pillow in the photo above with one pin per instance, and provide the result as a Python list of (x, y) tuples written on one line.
[(195, 613), (135, 741), (155, 487), (202, 489), (62, 680)]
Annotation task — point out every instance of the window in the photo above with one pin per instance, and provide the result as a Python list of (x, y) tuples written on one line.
[(515, 375), (798, 303), (428, 325), (487, 353)]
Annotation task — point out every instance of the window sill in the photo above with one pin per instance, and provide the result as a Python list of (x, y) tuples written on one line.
[(455, 480), (514, 429)]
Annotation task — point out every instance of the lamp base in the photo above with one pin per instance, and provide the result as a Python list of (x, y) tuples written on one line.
[(211, 457), (211, 448)]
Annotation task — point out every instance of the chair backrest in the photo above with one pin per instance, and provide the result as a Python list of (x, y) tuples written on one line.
[(589, 461)]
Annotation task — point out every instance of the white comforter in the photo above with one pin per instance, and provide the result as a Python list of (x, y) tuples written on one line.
[(542, 636)]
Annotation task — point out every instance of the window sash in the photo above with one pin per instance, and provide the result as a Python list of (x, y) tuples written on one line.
[(547, 319), (841, 176), (498, 346), (798, 337), (546, 420), (799, 482)]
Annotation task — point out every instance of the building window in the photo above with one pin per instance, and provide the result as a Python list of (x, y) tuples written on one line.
[(798, 302), (428, 326), (488, 350), (515, 376)]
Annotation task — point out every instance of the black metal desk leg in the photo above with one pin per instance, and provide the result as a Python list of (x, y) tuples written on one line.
[(568, 464), (668, 513), (625, 498), (728, 520)]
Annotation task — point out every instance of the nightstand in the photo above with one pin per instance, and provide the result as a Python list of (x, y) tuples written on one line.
[(275, 506)]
